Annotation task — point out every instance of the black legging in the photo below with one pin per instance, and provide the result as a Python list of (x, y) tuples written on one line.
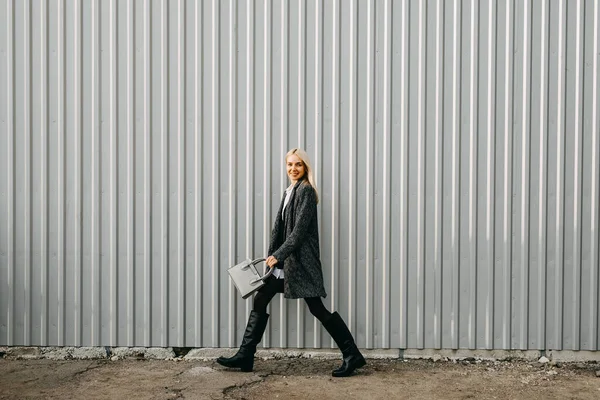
[(274, 286)]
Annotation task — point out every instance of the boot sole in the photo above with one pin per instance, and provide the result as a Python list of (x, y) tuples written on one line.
[(346, 374), (243, 368)]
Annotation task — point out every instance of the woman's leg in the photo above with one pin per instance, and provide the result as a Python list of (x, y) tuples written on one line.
[(318, 309), (339, 331), (266, 293), (257, 322)]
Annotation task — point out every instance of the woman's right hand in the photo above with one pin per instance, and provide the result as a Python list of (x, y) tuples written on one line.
[(271, 261)]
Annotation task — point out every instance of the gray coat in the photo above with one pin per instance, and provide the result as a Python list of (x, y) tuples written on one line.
[(295, 244)]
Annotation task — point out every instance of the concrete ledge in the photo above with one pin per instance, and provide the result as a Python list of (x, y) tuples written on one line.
[(278, 353), (88, 353), (23, 353), (148, 353), (160, 353), (128, 352), (208, 353), (461, 354), (68, 353), (573, 356), (57, 353)]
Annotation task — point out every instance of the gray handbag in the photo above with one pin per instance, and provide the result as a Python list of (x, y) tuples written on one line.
[(246, 278)]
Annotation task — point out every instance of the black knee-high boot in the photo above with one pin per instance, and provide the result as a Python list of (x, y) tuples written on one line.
[(244, 358), (353, 359)]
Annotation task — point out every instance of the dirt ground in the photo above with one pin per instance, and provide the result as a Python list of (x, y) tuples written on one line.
[(298, 378)]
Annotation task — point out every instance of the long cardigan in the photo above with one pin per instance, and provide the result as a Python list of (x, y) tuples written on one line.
[(295, 244)]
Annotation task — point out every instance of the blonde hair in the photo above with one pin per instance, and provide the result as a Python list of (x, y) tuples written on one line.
[(309, 171)]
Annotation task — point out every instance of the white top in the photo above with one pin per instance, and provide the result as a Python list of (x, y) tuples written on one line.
[(288, 194), (278, 272)]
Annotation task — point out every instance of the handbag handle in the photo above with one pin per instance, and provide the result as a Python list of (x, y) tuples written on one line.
[(262, 278)]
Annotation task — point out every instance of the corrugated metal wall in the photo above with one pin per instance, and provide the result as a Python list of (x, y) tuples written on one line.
[(456, 145)]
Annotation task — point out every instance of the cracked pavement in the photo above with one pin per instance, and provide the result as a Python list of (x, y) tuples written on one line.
[(294, 378), (122, 379)]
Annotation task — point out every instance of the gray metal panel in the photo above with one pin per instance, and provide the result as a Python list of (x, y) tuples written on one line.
[(456, 147), (590, 125), (538, 167), (6, 140), (556, 106), (486, 156)]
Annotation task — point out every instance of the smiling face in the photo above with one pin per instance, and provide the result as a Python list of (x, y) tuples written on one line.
[(295, 168)]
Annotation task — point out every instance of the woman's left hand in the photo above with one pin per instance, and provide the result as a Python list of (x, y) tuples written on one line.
[(271, 261)]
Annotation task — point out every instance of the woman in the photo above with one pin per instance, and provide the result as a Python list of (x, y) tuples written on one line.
[(294, 253)]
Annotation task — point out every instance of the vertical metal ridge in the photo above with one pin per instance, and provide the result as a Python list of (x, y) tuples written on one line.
[(148, 111), (472, 325), (335, 141), (10, 172), (95, 227), (299, 303), (215, 175), (285, 23), (113, 175), (148, 173), (454, 226), (249, 178), (78, 123), (319, 136), (352, 161), (198, 168), (130, 177), (266, 134), (506, 318), (27, 167), (232, 169), (61, 175), (181, 173), (301, 73), (283, 306), (265, 148), (286, 82), (44, 174), (370, 121), (594, 282), (542, 208), (96, 186), (558, 233), (525, 156), (164, 178), (404, 195), (147, 200), (438, 184), (284, 75), (577, 190), (386, 231), (420, 259), (490, 192)]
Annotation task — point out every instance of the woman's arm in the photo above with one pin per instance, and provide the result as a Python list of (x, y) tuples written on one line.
[(274, 242), (305, 212)]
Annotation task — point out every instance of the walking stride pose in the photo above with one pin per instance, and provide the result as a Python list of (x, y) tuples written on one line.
[(294, 253)]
